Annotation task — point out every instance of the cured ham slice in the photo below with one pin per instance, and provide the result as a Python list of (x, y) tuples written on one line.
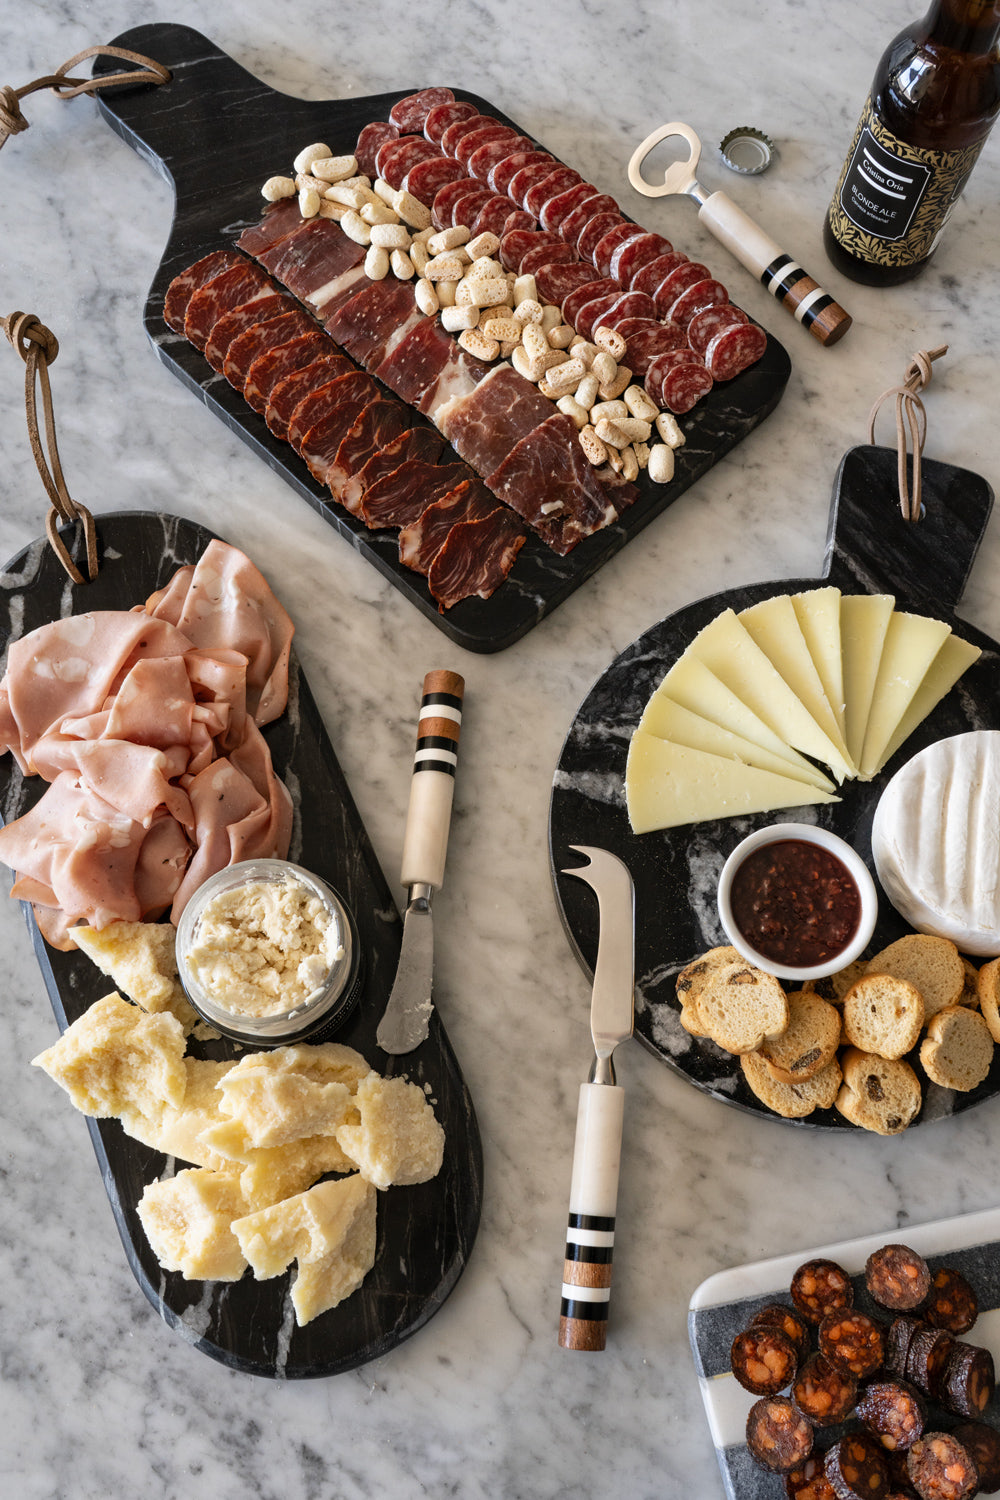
[(371, 322), (264, 304), (476, 558), (279, 219), (231, 288), (376, 424), (400, 496), (275, 363), (548, 480), (428, 368), (314, 261), (425, 533), (419, 444), (483, 427), (288, 391), (270, 334), (183, 287), (353, 389)]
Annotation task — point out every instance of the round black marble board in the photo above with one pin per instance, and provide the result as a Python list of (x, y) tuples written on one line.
[(425, 1233), (871, 549), (213, 113)]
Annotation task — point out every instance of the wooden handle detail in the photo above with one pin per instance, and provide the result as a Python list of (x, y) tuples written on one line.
[(428, 817), (593, 1205)]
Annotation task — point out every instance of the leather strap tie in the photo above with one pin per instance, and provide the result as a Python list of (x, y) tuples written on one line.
[(12, 120), (38, 347), (910, 419)]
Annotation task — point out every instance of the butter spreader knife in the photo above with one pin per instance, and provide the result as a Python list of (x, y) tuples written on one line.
[(593, 1196), (425, 843)]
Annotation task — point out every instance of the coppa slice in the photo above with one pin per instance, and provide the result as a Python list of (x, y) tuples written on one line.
[(668, 785)]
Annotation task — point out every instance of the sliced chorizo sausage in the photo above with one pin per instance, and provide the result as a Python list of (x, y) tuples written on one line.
[(951, 1302), (791, 1323), (897, 1343), (763, 1360), (808, 1481), (820, 1287), (927, 1357), (856, 1469), (983, 1443), (822, 1393), (852, 1341), (894, 1412), (778, 1437), (940, 1468), (897, 1277), (966, 1387)]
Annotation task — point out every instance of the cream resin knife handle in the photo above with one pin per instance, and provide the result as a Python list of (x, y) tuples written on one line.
[(428, 817), (593, 1204)]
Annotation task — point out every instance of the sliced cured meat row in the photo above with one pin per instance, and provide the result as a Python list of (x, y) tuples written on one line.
[(486, 156), (415, 444), (409, 115), (400, 497), (265, 303), (323, 411), (504, 171), (423, 535), (462, 127), (379, 422), (255, 341), (274, 364), (184, 286), (641, 250), (515, 244), (428, 177), (574, 221), (556, 208), (485, 135), (549, 185), (442, 115), (292, 388), (610, 243), (594, 231), (219, 295), (475, 557), (372, 137)]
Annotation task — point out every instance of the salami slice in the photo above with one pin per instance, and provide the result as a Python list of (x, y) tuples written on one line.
[(558, 181), (856, 1469), (894, 1412), (820, 1287), (445, 199), (485, 157), (555, 282), (545, 255), (507, 167), (968, 1382), (791, 1323), (594, 231), (617, 236), (951, 1302), (897, 1277), (629, 306), (555, 209), (591, 312), (492, 216), (442, 115), (675, 383), (484, 135), (707, 293), (461, 127), (588, 289), (515, 245), (579, 217), (410, 114), (778, 1437), (941, 1469), (635, 253), (427, 178), (677, 281), (735, 349), (518, 219), (397, 158), (649, 276), (711, 320), (526, 177), (983, 1443), (808, 1481), (852, 1341), (763, 1359), (822, 1393), (183, 287), (469, 204), (369, 142)]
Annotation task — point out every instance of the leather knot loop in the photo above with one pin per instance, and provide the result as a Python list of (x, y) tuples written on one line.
[(12, 121), (910, 419), (25, 332)]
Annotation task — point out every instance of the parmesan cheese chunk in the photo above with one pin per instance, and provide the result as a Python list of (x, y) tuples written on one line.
[(398, 1140), (117, 1057), (187, 1221)]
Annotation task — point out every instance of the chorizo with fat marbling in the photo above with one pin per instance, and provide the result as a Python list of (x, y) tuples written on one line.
[(778, 1437), (822, 1393), (897, 1277), (820, 1287), (940, 1468), (763, 1360), (951, 1302), (894, 1412)]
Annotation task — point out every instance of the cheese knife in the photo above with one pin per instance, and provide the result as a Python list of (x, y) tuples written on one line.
[(593, 1197), (408, 1012)]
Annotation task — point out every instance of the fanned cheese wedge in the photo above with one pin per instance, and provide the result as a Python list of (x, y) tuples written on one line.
[(774, 625), (864, 620), (728, 650), (818, 614), (911, 644), (667, 785), (954, 658), (690, 684), (670, 721)]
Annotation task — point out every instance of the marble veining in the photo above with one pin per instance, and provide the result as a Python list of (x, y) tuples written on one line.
[(100, 1397)]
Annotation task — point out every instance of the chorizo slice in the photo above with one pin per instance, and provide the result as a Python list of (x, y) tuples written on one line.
[(897, 1344), (927, 1357), (966, 1387), (824, 1394), (820, 1287), (856, 1468), (763, 1360), (852, 1341), (897, 1277), (951, 1302), (808, 1481), (983, 1443), (779, 1438), (940, 1468), (894, 1412), (791, 1323)]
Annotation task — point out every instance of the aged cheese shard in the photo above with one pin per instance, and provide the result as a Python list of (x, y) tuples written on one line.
[(954, 658), (181, 1131), (116, 1057), (187, 1220), (139, 958), (667, 785), (398, 1139)]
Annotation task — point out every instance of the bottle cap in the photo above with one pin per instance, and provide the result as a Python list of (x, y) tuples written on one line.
[(746, 150)]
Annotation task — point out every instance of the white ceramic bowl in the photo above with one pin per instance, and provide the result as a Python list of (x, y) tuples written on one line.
[(806, 833)]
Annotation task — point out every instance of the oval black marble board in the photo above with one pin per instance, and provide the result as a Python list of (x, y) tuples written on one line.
[(871, 549), (425, 1233), (213, 114)]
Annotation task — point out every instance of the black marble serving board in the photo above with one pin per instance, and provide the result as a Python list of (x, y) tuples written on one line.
[(425, 1233), (217, 133), (870, 549)]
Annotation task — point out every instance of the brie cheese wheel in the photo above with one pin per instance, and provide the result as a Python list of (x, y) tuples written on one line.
[(936, 841)]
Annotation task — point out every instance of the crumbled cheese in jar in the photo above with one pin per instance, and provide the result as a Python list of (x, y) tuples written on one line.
[(264, 948)]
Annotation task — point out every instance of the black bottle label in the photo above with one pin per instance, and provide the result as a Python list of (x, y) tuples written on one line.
[(893, 199)]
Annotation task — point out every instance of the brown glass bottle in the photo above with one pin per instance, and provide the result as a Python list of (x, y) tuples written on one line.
[(933, 102)]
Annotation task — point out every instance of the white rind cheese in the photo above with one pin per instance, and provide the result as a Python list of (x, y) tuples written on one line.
[(936, 841)]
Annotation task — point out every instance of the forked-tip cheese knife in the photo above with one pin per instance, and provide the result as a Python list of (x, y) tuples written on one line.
[(593, 1196), (425, 843)]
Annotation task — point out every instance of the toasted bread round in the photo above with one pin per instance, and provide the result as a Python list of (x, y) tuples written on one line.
[(988, 992), (931, 964), (883, 1015), (740, 1006), (807, 1043), (835, 986), (692, 980), (958, 1049), (791, 1100), (878, 1093), (970, 990)]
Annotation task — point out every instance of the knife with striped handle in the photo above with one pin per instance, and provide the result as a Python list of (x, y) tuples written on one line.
[(593, 1197), (425, 843)]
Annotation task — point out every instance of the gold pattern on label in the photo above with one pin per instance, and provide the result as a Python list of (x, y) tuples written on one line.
[(948, 172)]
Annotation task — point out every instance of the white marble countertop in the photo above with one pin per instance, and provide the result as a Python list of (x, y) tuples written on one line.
[(100, 1398)]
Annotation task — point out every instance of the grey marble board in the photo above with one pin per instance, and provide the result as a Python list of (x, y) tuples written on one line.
[(725, 1303), (425, 1233), (212, 113), (870, 549)]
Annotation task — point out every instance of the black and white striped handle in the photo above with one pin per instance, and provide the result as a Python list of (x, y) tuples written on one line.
[(593, 1205), (783, 277), (428, 818)]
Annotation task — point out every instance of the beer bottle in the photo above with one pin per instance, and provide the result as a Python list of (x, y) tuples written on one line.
[(933, 101)]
